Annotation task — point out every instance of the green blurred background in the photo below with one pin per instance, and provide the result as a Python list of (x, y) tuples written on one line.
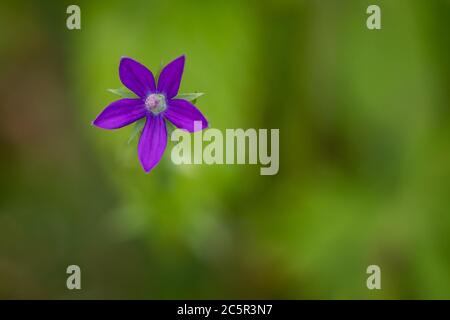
[(364, 174)]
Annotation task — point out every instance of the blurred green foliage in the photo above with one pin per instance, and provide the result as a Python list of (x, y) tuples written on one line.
[(364, 149)]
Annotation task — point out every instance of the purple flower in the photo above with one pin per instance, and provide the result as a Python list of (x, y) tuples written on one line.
[(155, 103)]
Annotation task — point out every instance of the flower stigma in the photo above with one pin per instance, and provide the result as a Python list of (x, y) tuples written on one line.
[(156, 103)]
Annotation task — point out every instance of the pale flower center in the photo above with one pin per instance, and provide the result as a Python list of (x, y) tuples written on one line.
[(156, 103)]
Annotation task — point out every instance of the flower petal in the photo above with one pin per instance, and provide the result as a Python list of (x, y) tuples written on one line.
[(182, 114), (153, 142), (120, 113), (170, 77), (136, 77)]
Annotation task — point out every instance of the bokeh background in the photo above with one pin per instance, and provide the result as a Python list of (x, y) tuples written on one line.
[(364, 174)]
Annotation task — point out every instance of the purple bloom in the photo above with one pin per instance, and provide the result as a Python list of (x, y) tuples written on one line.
[(155, 103)]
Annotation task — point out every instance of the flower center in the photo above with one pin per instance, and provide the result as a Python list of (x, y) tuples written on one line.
[(156, 103)]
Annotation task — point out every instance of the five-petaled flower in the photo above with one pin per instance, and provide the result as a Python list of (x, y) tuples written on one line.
[(155, 103)]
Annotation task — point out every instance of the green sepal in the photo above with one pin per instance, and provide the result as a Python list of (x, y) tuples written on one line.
[(123, 92), (190, 96), (138, 126)]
